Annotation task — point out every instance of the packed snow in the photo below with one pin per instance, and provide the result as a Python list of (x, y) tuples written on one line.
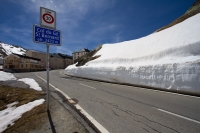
[(31, 82), (12, 113), (4, 76), (169, 59), (9, 49)]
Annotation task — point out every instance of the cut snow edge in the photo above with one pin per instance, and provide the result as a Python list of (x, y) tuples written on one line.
[(168, 60)]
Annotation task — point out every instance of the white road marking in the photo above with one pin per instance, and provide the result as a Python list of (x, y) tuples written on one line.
[(183, 117), (87, 86), (78, 107), (54, 87), (62, 73), (98, 125)]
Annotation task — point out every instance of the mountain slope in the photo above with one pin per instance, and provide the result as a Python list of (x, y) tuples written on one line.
[(6, 49), (193, 10)]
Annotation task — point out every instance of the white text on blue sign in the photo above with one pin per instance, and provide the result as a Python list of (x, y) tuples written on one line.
[(47, 36)]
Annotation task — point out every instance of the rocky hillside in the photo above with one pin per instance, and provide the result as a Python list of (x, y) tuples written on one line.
[(6, 49), (88, 57), (193, 10)]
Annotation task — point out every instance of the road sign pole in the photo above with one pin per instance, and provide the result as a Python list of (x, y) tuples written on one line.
[(47, 34), (47, 68)]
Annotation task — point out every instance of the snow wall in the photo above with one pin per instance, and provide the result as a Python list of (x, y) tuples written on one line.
[(169, 59)]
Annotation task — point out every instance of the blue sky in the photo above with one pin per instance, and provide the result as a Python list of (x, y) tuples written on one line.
[(87, 23)]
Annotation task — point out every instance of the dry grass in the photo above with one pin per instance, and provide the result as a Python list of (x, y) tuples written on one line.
[(9, 95), (30, 120), (87, 57)]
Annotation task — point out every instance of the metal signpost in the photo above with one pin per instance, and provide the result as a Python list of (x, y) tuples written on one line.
[(46, 34)]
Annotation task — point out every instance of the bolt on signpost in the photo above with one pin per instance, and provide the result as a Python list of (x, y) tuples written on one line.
[(47, 34)]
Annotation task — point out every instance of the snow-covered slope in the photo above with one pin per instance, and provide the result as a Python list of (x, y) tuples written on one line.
[(169, 59), (6, 49)]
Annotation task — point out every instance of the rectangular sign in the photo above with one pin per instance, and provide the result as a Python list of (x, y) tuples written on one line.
[(47, 18), (46, 36)]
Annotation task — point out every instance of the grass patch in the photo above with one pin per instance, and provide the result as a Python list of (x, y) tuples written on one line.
[(11, 94), (30, 120)]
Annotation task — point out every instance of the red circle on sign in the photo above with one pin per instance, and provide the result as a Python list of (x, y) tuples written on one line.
[(49, 18)]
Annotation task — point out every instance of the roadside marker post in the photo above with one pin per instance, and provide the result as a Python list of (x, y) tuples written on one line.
[(47, 68), (47, 34)]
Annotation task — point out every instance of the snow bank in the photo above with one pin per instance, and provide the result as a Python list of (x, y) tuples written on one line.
[(11, 114), (169, 59), (6, 76), (32, 83)]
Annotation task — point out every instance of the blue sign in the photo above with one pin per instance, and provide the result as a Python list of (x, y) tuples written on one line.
[(46, 36)]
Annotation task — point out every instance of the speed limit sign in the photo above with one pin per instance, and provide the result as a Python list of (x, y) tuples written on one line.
[(47, 18)]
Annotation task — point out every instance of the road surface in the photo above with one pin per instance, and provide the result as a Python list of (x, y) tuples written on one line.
[(127, 109)]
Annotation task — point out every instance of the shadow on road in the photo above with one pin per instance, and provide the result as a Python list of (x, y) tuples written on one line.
[(79, 79), (51, 122)]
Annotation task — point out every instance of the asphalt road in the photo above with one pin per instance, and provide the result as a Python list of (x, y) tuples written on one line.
[(128, 109)]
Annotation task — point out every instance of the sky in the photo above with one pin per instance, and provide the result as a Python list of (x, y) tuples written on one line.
[(87, 23)]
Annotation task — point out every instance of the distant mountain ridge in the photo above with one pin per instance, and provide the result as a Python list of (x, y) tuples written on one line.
[(7, 49)]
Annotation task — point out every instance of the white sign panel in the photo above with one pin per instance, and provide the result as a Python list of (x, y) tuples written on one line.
[(47, 18)]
